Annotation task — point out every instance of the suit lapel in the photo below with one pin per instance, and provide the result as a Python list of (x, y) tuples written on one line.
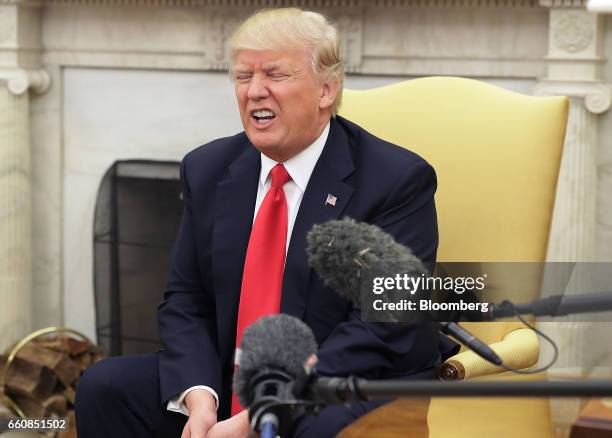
[(235, 204), (332, 168)]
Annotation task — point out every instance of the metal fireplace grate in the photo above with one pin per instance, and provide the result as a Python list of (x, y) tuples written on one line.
[(137, 216)]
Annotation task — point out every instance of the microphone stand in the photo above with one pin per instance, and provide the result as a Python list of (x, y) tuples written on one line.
[(555, 305), (330, 390), (268, 414)]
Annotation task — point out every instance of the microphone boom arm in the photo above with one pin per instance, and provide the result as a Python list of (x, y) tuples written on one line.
[(330, 390)]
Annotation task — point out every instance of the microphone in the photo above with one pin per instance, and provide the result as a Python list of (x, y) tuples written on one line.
[(472, 342), (271, 371), (341, 251), (555, 305)]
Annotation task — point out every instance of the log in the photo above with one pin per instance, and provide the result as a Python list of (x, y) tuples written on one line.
[(84, 360), (63, 344), (66, 369), (28, 379), (70, 394), (43, 375), (98, 356), (29, 406), (56, 404)]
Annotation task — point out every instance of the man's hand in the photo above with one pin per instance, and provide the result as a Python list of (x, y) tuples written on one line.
[(235, 427), (202, 414)]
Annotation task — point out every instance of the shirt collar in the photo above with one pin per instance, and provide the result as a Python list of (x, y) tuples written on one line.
[(299, 167)]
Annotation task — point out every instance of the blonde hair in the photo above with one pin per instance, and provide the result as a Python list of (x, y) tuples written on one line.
[(273, 29)]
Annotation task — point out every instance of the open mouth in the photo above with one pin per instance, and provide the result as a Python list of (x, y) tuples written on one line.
[(263, 117)]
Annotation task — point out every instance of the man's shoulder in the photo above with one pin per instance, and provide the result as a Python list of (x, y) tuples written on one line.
[(371, 151), (207, 165), (219, 150)]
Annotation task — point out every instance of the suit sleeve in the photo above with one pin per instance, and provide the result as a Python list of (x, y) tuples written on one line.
[(187, 317), (387, 350)]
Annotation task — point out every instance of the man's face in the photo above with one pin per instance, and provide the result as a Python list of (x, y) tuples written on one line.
[(283, 106)]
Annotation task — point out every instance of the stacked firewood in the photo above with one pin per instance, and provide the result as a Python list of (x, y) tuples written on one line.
[(42, 378)]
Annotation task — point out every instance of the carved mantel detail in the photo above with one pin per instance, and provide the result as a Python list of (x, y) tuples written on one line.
[(20, 47), (19, 80), (351, 34), (564, 3), (572, 32), (307, 4), (223, 23), (597, 95)]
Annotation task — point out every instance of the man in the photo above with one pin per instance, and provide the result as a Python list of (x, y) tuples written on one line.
[(249, 201)]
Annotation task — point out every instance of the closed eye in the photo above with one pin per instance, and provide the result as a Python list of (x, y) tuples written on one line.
[(242, 76)]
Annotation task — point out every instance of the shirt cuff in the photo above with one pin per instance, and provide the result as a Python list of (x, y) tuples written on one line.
[(175, 404)]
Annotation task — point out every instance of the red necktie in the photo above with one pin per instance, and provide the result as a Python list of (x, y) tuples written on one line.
[(262, 280)]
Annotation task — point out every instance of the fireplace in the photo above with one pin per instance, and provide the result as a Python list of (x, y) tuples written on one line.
[(137, 215)]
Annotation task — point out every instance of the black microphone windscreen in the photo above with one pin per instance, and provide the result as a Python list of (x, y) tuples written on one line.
[(281, 342), (342, 251)]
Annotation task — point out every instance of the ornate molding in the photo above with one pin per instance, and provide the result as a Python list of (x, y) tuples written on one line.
[(597, 95), (598, 100), (457, 3), (563, 3), (29, 3), (223, 23), (575, 46), (221, 27), (245, 4), (307, 4), (8, 28), (20, 80), (350, 28), (573, 32)]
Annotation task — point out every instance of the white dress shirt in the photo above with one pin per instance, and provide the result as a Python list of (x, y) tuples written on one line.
[(299, 168)]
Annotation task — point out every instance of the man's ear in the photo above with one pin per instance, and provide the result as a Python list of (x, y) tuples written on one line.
[(329, 91)]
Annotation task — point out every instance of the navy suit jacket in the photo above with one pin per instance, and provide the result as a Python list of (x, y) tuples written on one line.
[(374, 181)]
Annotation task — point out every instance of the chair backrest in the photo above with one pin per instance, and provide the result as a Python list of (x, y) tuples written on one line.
[(497, 155)]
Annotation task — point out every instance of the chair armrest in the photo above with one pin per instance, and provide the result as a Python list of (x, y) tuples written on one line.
[(519, 349)]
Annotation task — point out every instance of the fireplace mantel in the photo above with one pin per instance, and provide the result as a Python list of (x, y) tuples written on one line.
[(479, 38)]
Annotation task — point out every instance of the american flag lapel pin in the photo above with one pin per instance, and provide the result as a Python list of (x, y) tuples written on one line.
[(331, 200)]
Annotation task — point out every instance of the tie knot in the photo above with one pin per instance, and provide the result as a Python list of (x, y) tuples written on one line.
[(280, 176)]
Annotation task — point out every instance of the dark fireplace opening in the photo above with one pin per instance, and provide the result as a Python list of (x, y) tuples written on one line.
[(137, 216)]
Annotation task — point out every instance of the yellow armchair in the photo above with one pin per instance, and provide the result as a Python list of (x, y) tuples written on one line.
[(497, 155)]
